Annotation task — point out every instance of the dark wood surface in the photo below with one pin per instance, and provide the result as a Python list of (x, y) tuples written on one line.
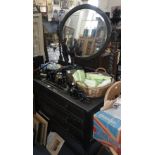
[(108, 59), (105, 60), (69, 117)]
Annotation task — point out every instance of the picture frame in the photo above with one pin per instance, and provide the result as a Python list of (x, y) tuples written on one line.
[(45, 123), (54, 143), (56, 2), (69, 33), (64, 4)]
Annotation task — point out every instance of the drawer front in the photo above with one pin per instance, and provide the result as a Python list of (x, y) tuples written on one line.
[(67, 122), (46, 101), (66, 116), (44, 92), (51, 107), (69, 129)]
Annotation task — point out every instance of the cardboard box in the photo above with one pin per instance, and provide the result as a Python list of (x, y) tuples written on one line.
[(107, 128)]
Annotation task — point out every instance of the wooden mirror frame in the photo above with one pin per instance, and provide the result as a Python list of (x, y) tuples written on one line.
[(102, 14)]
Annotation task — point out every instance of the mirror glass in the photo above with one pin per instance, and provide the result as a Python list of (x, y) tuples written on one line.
[(84, 33)]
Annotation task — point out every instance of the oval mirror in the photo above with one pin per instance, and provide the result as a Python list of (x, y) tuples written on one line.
[(86, 31)]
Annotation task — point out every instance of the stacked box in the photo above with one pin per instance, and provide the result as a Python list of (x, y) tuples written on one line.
[(107, 128)]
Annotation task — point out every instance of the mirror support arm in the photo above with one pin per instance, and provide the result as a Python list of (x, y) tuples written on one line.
[(60, 42)]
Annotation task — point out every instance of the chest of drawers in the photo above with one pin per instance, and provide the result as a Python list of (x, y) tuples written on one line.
[(68, 117)]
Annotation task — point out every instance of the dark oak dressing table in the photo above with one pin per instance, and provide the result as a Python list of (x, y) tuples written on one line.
[(69, 116)]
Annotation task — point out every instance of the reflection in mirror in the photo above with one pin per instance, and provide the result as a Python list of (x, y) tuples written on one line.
[(85, 33)]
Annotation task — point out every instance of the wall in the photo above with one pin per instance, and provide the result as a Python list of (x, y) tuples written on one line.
[(103, 5), (106, 5), (113, 3)]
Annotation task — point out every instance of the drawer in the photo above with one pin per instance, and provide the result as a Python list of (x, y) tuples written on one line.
[(68, 123), (77, 132), (60, 113), (46, 93), (68, 129), (67, 109), (45, 108), (76, 122), (70, 106)]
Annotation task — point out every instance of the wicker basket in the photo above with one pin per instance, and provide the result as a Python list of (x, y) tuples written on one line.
[(113, 91), (98, 91)]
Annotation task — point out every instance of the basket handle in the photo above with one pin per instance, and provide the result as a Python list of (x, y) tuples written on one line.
[(101, 69)]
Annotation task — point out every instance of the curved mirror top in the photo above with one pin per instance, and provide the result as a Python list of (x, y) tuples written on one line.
[(85, 33)]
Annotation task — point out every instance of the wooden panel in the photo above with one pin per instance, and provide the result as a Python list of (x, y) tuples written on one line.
[(38, 43)]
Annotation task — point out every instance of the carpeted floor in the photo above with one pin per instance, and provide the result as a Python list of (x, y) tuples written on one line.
[(41, 150)]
